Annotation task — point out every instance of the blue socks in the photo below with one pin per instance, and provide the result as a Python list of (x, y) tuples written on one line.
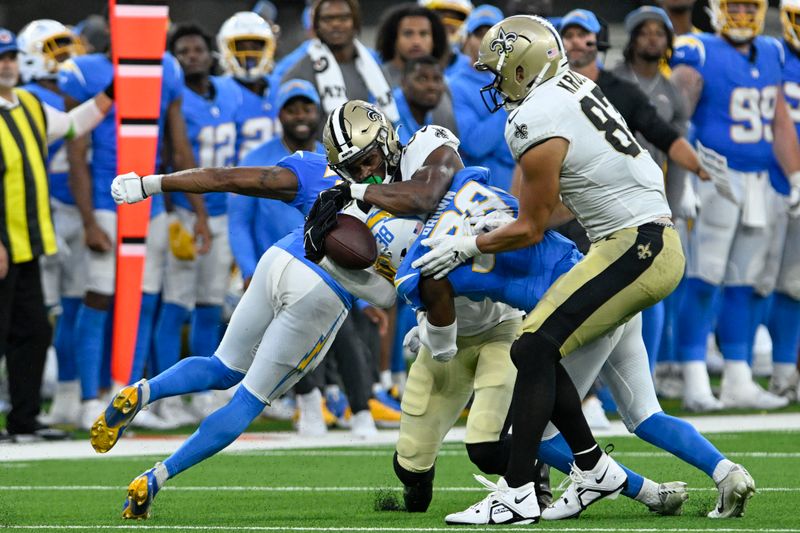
[(90, 327), (652, 327), (735, 323), (144, 335), (193, 374), (695, 319), (556, 453), (784, 328), (681, 439), (216, 432), (667, 351), (168, 332), (64, 339), (206, 322)]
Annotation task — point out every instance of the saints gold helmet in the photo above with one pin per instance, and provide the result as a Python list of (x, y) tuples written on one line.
[(737, 26), (354, 131), (522, 52)]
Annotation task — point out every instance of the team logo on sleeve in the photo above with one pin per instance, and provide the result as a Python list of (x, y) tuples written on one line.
[(520, 131), (502, 45), (439, 132)]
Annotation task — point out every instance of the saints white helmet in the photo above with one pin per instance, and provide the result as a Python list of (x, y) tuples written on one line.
[(394, 236), (239, 59), (43, 44)]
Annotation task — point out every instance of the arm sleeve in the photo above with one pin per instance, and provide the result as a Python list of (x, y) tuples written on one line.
[(241, 212), (364, 284), (80, 120)]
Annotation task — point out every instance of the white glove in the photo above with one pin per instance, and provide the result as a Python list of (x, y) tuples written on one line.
[(411, 343), (447, 252), (490, 222), (130, 188), (716, 165)]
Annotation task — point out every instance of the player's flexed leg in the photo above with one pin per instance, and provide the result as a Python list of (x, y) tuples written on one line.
[(570, 141)]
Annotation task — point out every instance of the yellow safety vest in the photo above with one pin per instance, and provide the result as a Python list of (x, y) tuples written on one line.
[(26, 227)]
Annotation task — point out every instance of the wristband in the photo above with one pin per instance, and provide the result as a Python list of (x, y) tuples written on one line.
[(794, 178), (152, 184), (357, 190)]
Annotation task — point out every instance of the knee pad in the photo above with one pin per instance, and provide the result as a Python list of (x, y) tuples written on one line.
[(417, 487), (490, 457), (532, 350)]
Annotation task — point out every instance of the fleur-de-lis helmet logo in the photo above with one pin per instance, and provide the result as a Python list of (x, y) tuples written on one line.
[(502, 44), (373, 114)]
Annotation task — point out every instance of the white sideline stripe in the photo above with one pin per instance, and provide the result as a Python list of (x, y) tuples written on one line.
[(399, 529), (459, 452), (234, 488), (252, 442)]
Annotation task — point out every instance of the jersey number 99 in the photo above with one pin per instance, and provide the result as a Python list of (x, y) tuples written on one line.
[(755, 109)]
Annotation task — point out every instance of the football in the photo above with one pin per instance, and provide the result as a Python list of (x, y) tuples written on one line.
[(350, 244)]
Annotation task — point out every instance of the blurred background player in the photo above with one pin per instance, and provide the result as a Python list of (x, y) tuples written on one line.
[(480, 132), (195, 285), (338, 64), (781, 312), (44, 44), (90, 176), (246, 47), (409, 32), (453, 13), (731, 82), (648, 47), (680, 15)]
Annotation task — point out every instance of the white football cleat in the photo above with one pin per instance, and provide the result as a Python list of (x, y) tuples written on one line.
[(671, 496), (362, 425), (90, 409), (311, 422), (606, 480), (66, 406), (173, 411), (503, 505), (734, 491), (701, 403), (750, 396)]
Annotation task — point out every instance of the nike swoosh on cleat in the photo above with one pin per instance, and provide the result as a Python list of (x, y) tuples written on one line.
[(601, 478), (720, 508), (520, 500)]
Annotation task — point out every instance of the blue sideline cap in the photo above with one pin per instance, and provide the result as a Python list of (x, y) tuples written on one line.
[(294, 88), (8, 41), (580, 17), (645, 13), (484, 15)]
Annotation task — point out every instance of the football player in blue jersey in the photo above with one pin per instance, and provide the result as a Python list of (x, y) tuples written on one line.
[(247, 48), (781, 273), (166, 234), (293, 308), (44, 44), (258, 223), (520, 279), (194, 284), (731, 81), (79, 79)]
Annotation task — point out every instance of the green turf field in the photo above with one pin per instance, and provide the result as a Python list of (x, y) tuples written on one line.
[(336, 489)]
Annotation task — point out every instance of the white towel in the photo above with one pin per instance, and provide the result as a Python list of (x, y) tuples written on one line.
[(333, 92), (754, 210)]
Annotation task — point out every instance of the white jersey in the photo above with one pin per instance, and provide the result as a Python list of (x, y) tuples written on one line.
[(607, 179)]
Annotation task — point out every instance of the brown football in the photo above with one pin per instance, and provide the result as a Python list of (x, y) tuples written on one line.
[(350, 244)]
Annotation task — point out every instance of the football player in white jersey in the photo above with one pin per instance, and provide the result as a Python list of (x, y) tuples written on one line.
[(569, 141)]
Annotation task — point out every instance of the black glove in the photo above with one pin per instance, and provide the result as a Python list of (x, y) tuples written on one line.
[(322, 219), (109, 90)]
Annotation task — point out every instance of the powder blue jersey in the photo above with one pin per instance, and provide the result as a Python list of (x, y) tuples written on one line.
[(57, 165), (313, 177), (737, 105), (517, 278), (211, 127), (255, 224), (81, 78), (791, 93), (256, 119)]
